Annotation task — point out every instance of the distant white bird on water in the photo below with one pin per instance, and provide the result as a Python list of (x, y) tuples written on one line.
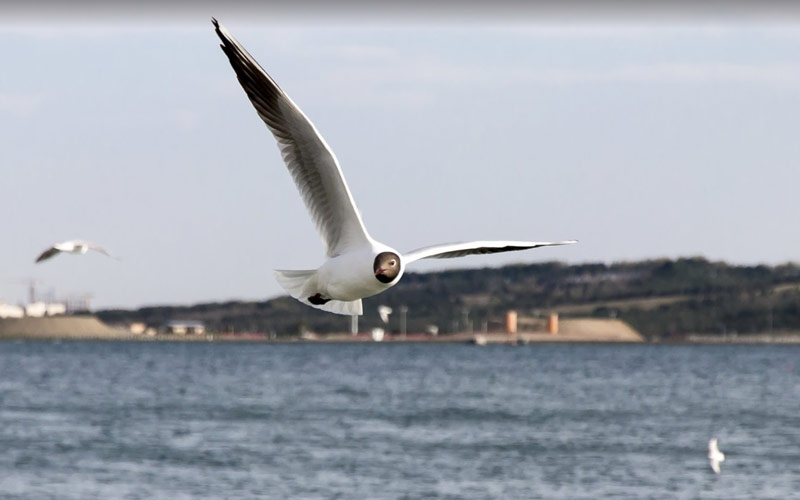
[(714, 455), (358, 266), (72, 246)]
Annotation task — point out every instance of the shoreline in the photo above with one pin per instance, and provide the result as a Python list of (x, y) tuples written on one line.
[(482, 339), (587, 330)]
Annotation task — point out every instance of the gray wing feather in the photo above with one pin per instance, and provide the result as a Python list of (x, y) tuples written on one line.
[(452, 250), (312, 164)]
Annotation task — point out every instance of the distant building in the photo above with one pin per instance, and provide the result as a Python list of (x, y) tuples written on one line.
[(184, 327), (55, 308), (36, 309), (137, 328), (41, 309), (9, 311)]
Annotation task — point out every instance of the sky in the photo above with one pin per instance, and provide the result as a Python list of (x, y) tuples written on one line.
[(652, 134)]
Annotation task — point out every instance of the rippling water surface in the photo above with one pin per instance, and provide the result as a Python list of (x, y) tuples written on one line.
[(84, 420)]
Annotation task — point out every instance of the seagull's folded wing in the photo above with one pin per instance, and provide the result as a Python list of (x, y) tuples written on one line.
[(450, 250), (311, 162)]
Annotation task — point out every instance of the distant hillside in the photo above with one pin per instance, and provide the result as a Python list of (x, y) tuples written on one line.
[(660, 298)]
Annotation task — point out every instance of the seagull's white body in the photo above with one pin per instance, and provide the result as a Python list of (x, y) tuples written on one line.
[(78, 247), (349, 276), (715, 456), (345, 278), (358, 266)]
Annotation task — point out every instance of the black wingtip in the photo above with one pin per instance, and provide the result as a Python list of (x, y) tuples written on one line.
[(218, 31)]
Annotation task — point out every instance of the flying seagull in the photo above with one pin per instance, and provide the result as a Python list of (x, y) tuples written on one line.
[(72, 246), (384, 312), (357, 266), (714, 455)]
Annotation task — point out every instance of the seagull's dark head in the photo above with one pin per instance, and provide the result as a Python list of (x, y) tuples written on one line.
[(386, 267)]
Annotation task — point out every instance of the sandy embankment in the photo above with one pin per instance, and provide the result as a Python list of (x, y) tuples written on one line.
[(571, 330), (89, 327), (59, 327)]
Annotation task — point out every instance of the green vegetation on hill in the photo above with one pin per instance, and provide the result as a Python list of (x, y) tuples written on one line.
[(660, 298)]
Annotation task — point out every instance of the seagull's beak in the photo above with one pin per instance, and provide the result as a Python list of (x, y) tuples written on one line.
[(380, 270)]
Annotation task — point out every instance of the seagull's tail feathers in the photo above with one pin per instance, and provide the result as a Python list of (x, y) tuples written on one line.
[(303, 284), (349, 308), (298, 284)]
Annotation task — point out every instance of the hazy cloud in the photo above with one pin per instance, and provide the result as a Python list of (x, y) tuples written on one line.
[(50, 29), (20, 104), (417, 10), (779, 75), (184, 119), (356, 52), (423, 73), (643, 29)]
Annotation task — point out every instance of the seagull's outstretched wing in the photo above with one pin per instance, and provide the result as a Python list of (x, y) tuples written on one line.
[(311, 162), (50, 252), (450, 250), (98, 248), (715, 465)]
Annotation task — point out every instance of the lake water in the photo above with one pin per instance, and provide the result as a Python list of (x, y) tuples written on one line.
[(118, 420)]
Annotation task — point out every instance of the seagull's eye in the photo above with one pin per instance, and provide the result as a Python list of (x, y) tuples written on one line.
[(392, 262)]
